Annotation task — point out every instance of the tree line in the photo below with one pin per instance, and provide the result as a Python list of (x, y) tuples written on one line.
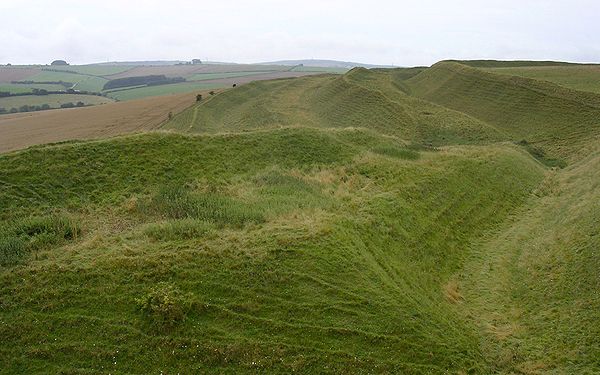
[(42, 107)]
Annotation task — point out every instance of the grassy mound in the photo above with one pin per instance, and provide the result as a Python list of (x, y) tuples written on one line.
[(285, 250), (362, 98), (563, 123)]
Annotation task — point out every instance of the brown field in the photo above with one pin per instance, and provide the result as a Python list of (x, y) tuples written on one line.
[(22, 130), (11, 73), (188, 70)]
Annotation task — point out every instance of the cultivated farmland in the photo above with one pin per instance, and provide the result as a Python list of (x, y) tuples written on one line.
[(27, 129)]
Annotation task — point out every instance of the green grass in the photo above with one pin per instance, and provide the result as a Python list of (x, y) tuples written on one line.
[(18, 239), (53, 100), (81, 82), (533, 285), (144, 92), (208, 76), (323, 255), (513, 63), (584, 77), (413, 221), (561, 122), (319, 69), (359, 99)]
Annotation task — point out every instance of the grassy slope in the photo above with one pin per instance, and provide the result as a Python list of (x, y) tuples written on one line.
[(584, 78), (349, 241), (513, 63), (533, 286), (562, 122), (361, 98)]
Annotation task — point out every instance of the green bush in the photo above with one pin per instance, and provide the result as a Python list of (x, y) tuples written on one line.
[(164, 304)]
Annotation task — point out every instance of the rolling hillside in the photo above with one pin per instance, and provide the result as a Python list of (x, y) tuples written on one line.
[(361, 98), (418, 221), (563, 123)]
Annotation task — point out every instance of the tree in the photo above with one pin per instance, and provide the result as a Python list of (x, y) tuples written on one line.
[(212, 93), (59, 62), (80, 104), (196, 61), (198, 97), (67, 105), (24, 108), (235, 85), (170, 115), (14, 110), (45, 106), (3, 110)]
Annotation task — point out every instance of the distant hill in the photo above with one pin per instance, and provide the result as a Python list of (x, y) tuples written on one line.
[(325, 64), (142, 63)]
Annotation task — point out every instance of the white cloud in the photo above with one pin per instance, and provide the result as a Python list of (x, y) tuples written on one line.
[(402, 32)]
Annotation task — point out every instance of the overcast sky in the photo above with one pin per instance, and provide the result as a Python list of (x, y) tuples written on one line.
[(404, 33)]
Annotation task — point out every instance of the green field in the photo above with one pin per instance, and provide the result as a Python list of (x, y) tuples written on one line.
[(143, 92), (95, 70), (406, 221), (54, 100), (207, 76), (585, 78), (82, 82), (22, 88), (319, 69)]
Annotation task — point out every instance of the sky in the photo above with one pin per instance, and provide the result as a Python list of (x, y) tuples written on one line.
[(401, 33)]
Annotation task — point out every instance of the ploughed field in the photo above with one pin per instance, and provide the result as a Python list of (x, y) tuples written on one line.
[(436, 220)]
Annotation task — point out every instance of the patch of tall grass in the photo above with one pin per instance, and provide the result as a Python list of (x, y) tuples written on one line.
[(19, 238), (178, 202)]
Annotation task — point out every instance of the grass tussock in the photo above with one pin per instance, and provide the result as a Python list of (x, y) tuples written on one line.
[(21, 237), (177, 202), (180, 229)]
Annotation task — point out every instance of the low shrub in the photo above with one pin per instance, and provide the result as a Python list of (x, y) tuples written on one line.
[(164, 305)]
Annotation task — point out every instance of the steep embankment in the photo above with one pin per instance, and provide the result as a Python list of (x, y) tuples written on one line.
[(534, 285), (361, 98), (564, 123), (316, 251)]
